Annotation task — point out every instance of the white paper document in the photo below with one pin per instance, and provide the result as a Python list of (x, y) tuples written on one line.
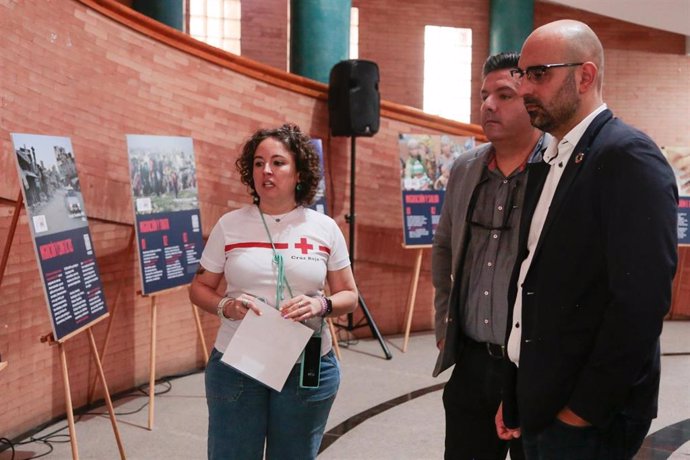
[(266, 347)]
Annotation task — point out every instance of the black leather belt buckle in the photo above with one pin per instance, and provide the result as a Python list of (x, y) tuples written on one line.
[(495, 351)]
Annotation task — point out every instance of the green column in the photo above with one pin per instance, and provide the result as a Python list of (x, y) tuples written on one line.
[(319, 36), (169, 12), (510, 24)]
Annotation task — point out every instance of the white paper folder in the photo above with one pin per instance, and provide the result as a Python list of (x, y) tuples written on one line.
[(266, 347)]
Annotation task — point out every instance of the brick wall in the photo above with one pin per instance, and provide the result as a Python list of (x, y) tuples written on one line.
[(614, 34), (399, 49), (265, 32)]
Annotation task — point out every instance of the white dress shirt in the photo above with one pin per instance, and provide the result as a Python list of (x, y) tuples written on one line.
[(557, 155)]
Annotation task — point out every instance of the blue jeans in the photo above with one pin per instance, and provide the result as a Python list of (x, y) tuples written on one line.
[(243, 413), (559, 441)]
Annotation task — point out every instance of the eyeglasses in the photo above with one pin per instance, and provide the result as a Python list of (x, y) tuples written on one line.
[(536, 72), (507, 211)]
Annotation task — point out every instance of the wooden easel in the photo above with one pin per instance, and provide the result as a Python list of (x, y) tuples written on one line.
[(152, 357), (334, 338), (200, 331), (412, 293), (50, 339), (8, 244), (106, 341), (682, 254)]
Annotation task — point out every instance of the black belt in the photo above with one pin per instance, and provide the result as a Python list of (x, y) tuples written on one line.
[(492, 349)]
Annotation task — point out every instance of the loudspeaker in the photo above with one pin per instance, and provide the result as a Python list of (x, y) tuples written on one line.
[(353, 98)]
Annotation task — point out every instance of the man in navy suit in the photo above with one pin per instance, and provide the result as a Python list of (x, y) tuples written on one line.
[(598, 255)]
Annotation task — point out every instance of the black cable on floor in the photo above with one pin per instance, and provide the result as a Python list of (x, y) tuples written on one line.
[(48, 438), (10, 445)]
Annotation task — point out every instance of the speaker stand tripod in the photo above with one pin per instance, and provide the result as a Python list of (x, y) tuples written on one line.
[(350, 219)]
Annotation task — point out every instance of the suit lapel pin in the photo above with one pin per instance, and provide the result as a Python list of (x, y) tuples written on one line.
[(579, 157)]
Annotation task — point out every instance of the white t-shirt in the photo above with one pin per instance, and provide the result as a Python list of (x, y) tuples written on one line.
[(310, 243)]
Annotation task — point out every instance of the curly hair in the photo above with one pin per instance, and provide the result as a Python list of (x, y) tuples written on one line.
[(306, 160)]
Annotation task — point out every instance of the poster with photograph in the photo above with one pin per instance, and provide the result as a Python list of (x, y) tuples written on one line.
[(55, 209), (679, 158), (425, 162), (166, 210), (319, 203)]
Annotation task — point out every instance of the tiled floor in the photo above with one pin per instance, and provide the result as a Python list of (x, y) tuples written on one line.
[(386, 409)]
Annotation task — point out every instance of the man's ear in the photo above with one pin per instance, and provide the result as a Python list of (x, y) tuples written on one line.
[(588, 76)]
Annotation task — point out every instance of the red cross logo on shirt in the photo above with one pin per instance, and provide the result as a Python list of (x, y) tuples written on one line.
[(303, 246)]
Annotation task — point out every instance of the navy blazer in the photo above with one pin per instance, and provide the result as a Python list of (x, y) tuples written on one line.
[(599, 284)]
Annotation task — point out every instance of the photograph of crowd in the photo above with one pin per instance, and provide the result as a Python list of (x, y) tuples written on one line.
[(51, 186), (162, 173), (425, 160)]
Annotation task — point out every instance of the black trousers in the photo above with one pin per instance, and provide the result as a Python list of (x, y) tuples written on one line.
[(470, 399), (619, 441)]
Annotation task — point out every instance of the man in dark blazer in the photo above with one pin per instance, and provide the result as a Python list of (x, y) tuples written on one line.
[(474, 250), (599, 252)]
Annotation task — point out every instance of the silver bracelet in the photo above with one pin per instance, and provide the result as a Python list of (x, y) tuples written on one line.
[(221, 306)]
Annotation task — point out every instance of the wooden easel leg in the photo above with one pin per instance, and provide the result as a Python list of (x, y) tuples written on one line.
[(682, 252), (200, 330), (412, 298), (334, 338), (152, 363), (106, 393), (10, 235), (68, 403), (106, 341)]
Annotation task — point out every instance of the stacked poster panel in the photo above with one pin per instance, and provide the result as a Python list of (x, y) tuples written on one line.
[(62, 241), (166, 210), (425, 162), (319, 203), (679, 158)]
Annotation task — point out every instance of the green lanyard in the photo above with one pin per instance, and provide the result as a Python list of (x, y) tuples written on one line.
[(281, 281)]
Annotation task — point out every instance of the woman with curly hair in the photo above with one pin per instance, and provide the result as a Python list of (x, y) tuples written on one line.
[(282, 253)]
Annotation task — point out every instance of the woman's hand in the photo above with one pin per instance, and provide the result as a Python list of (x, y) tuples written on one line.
[(238, 308), (301, 308)]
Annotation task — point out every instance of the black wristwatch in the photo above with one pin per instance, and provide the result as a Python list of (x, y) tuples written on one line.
[(329, 307)]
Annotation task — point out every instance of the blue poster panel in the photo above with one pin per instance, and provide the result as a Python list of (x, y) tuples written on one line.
[(62, 241), (683, 219), (422, 210), (166, 210), (319, 203), (679, 158), (425, 163)]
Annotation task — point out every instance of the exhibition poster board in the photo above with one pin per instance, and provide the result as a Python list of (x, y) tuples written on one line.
[(319, 203), (60, 230), (166, 210), (425, 163), (679, 158)]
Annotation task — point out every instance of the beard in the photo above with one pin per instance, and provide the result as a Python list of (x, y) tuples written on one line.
[(559, 111)]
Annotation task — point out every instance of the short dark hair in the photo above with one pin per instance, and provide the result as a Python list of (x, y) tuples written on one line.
[(500, 61), (297, 143)]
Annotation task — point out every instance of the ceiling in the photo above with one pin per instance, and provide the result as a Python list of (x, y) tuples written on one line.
[(669, 15)]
